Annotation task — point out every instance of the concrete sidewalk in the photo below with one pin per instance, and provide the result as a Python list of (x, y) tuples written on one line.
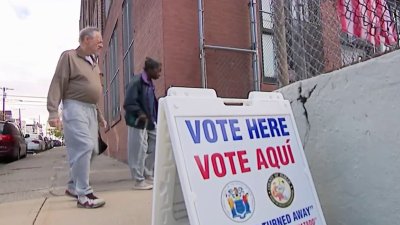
[(46, 175), (32, 193), (122, 208)]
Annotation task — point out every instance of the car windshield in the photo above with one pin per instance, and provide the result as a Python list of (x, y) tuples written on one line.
[(34, 136), (5, 128)]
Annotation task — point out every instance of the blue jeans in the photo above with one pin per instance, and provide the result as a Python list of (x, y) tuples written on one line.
[(81, 139)]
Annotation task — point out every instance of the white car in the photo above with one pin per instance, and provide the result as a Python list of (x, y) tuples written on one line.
[(35, 142)]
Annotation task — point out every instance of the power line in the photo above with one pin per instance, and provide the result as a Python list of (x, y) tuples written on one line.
[(26, 96), (21, 100), (19, 104)]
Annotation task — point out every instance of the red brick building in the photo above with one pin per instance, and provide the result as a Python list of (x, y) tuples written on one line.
[(169, 32)]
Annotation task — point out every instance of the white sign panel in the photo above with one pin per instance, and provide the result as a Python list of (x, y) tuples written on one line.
[(240, 164)]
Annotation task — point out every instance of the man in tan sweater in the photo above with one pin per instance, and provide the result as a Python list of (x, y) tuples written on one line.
[(76, 83)]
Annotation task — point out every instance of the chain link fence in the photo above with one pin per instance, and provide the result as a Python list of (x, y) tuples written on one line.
[(228, 37), (305, 38), (229, 72)]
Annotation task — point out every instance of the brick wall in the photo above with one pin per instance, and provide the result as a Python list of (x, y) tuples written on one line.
[(181, 44), (168, 32), (227, 24), (148, 36), (115, 135), (331, 36), (147, 26)]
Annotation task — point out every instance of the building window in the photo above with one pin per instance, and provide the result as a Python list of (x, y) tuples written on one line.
[(127, 39), (266, 14), (114, 78), (268, 65), (268, 56), (306, 54), (300, 10)]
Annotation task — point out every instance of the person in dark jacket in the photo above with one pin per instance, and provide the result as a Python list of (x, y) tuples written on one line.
[(141, 108)]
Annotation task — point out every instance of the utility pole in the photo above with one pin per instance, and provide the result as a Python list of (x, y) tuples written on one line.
[(4, 101), (20, 119), (40, 128), (19, 116), (34, 126)]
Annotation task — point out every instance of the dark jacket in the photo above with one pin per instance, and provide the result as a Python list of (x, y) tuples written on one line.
[(136, 103)]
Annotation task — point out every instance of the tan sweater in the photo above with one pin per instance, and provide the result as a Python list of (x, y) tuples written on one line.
[(75, 79)]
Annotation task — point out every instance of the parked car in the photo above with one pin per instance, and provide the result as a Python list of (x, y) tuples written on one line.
[(51, 143), (48, 143), (12, 141), (57, 143), (35, 143)]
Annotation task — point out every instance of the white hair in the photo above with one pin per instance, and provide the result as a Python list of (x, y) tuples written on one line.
[(87, 31)]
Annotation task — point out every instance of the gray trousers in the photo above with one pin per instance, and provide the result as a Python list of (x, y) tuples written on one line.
[(81, 140), (141, 153)]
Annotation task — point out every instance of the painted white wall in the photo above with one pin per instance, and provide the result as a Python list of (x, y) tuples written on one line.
[(352, 140)]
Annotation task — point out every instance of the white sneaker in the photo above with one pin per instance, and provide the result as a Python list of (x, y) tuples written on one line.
[(142, 185), (90, 202), (150, 180)]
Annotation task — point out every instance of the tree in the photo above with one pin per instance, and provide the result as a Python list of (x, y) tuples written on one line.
[(56, 132)]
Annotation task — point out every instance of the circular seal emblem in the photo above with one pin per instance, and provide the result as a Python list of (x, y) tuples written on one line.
[(237, 201), (280, 190)]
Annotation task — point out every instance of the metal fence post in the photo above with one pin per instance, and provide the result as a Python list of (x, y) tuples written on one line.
[(254, 45), (201, 45)]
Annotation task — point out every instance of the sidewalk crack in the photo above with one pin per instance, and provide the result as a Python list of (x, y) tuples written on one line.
[(40, 209)]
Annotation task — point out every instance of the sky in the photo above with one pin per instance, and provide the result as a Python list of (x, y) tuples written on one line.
[(33, 35)]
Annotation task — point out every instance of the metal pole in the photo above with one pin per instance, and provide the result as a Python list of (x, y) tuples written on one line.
[(229, 48), (254, 44), (302, 44), (19, 115), (201, 45), (4, 103)]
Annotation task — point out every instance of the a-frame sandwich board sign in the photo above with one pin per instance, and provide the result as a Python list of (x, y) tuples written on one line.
[(230, 161)]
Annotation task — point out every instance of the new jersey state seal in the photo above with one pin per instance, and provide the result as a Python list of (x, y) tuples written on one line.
[(237, 201)]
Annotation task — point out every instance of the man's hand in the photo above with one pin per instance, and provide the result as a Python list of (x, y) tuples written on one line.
[(103, 124), (55, 122)]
